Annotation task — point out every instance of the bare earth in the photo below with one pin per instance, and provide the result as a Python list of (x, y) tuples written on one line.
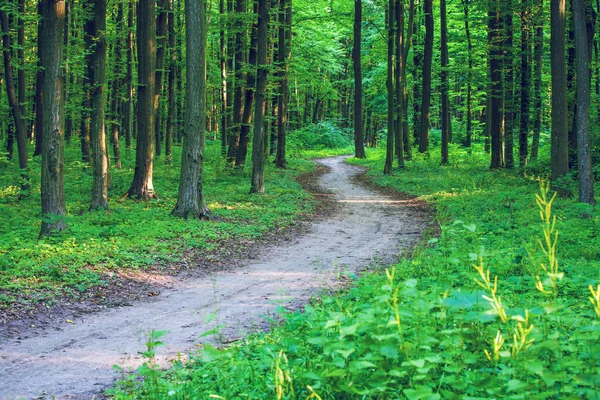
[(76, 360)]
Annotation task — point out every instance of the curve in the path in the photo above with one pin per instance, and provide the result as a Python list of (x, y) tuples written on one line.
[(76, 361)]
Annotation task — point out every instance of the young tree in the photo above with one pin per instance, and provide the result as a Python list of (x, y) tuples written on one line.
[(398, 82), (172, 111), (444, 83), (508, 86), (258, 154), (284, 52), (584, 159), (560, 132), (538, 53), (52, 184), (161, 41), (95, 28), (16, 108), (495, 65), (359, 145), (190, 202), (426, 92), (469, 111), (525, 82), (128, 117), (389, 158)]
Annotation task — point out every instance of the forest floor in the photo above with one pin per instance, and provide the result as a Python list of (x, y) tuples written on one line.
[(357, 227)]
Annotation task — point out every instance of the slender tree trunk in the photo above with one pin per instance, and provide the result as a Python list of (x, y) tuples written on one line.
[(172, 111), (469, 116), (399, 89), (39, 83), (417, 71), (496, 121), (191, 203), (509, 87), (86, 106), (128, 118), (284, 52), (95, 28), (560, 132), (15, 107), (52, 183), (426, 92), (444, 83), (538, 53), (21, 92), (116, 99), (142, 187), (407, 44), (258, 154), (359, 145), (525, 83), (161, 36), (389, 159), (584, 162), (224, 86)]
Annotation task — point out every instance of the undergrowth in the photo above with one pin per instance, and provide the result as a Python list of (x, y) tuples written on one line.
[(131, 234), (505, 303)]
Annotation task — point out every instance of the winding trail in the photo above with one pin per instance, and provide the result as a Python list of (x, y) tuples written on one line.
[(76, 362)]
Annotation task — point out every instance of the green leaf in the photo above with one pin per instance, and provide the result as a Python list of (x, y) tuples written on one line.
[(362, 365)]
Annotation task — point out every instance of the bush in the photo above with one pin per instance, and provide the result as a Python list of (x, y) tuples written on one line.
[(324, 135)]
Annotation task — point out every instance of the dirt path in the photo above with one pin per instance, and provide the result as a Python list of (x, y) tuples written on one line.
[(76, 360)]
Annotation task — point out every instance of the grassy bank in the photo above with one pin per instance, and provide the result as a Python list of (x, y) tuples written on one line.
[(131, 235), (482, 311)]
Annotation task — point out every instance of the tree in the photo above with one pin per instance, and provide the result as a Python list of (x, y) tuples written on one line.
[(560, 131), (161, 41), (525, 81), (538, 52), (469, 111), (389, 158), (284, 52), (258, 154), (426, 92), (190, 202), (172, 104), (15, 105), (495, 65), (52, 184), (444, 83), (398, 82), (359, 145), (508, 86), (142, 187), (584, 156), (95, 28), (128, 117)]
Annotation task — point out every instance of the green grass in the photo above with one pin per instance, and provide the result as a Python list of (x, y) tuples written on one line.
[(131, 234), (423, 330)]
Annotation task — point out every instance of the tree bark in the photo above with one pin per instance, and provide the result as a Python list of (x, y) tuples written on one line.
[(525, 83), (560, 131), (584, 156), (39, 83), (15, 106), (359, 145), (223, 61), (190, 202), (426, 92), (95, 28), (161, 41), (258, 154), (389, 158), (52, 183), (284, 52), (495, 63), (444, 83), (128, 118), (398, 85), (142, 187), (172, 111), (509, 87), (538, 54), (469, 116)]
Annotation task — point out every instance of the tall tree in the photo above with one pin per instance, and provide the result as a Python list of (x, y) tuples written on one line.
[(15, 106), (223, 61), (258, 154), (52, 183), (398, 83), (389, 158), (115, 108), (142, 187), (508, 85), (359, 145), (172, 108), (469, 111), (284, 52), (426, 92), (39, 79), (538, 52), (190, 202), (95, 28), (584, 156), (525, 82), (128, 117), (496, 92), (444, 83), (560, 132), (161, 41)]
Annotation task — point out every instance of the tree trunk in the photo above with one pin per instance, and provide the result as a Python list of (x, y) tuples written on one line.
[(426, 92), (389, 158), (538, 54), (52, 183), (141, 187), (495, 62), (444, 83), (584, 160), (15, 107), (161, 36), (128, 118), (258, 154), (560, 132), (95, 28), (359, 145), (405, 98), (116, 99), (172, 111), (399, 89), (224, 85), (469, 116), (509, 87), (21, 92), (39, 83), (525, 82), (191, 203), (284, 52)]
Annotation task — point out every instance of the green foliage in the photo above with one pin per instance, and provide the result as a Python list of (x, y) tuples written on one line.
[(465, 317), (322, 136), (131, 234)]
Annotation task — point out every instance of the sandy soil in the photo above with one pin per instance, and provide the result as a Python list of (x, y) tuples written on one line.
[(75, 360)]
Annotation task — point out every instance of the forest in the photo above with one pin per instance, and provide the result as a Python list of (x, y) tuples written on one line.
[(160, 140)]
